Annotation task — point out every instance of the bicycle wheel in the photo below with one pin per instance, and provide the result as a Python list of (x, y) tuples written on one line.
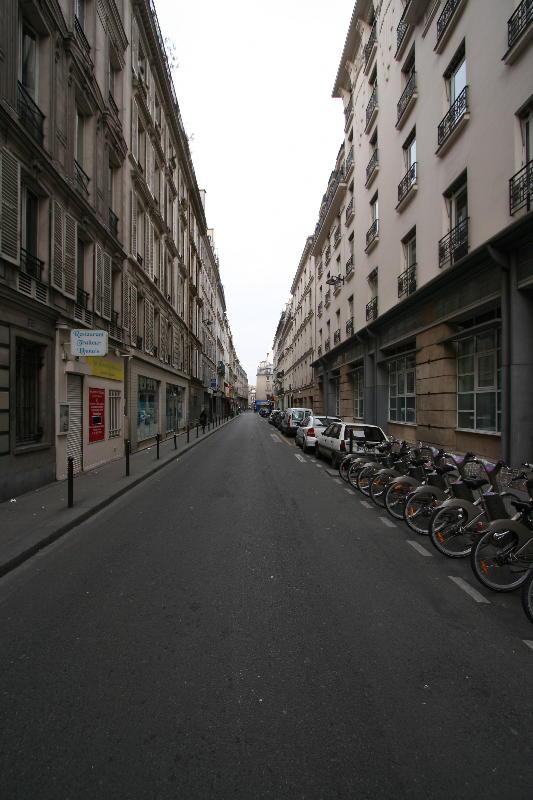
[(344, 467), (378, 488), (353, 472), (364, 479), (449, 534), (418, 512), (491, 563), (527, 596), (395, 500)]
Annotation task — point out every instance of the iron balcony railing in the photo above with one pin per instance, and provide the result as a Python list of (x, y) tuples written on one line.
[(349, 265), (349, 210), (336, 237), (349, 326), (372, 104), (372, 164), (80, 35), (112, 104), (82, 179), (407, 182), (372, 309), (82, 298), (457, 111), (113, 223), (31, 116), (328, 255), (372, 232), (319, 351), (348, 113), (372, 39), (454, 245), (320, 269), (348, 164), (408, 92), (336, 337), (401, 30), (521, 189), (320, 308), (30, 264), (327, 345), (407, 281), (445, 17), (520, 20), (327, 297)]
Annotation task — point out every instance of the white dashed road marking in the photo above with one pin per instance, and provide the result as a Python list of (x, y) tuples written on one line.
[(389, 523), (300, 458), (419, 548), (469, 590), (318, 466), (528, 643), (275, 438), (366, 504), (349, 491), (337, 480)]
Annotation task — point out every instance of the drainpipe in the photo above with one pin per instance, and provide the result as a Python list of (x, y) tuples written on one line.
[(502, 260)]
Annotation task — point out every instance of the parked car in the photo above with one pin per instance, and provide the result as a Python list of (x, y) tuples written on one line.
[(292, 418), (264, 411), (309, 429), (274, 415), (334, 441)]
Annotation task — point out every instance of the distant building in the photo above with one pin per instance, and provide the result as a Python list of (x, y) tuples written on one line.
[(263, 382)]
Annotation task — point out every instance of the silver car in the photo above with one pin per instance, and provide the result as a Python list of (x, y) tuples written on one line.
[(311, 426)]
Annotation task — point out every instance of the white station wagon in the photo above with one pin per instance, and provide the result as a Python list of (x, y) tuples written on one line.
[(334, 441)]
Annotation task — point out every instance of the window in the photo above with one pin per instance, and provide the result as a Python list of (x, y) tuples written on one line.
[(79, 137), (457, 78), (79, 11), (409, 150), (28, 72), (114, 413), (409, 250), (359, 393), (147, 407), (30, 396), (479, 382), (30, 221), (374, 208), (402, 395)]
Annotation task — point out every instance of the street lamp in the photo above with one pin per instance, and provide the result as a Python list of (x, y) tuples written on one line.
[(335, 280)]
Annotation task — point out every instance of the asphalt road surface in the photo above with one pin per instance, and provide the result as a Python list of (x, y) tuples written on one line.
[(242, 626)]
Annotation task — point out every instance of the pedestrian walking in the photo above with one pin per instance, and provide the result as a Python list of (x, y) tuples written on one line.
[(203, 419)]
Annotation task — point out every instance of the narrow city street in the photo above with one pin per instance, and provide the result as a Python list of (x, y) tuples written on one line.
[(242, 625)]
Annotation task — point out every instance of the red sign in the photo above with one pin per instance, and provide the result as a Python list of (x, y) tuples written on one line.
[(96, 415)]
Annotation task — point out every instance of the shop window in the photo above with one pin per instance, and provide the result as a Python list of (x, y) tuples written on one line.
[(359, 393), (479, 383), (29, 392), (402, 389), (147, 408), (114, 413)]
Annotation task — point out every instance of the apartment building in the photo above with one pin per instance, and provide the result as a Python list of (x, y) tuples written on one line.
[(264, 380), (102, 227), (423, 247)]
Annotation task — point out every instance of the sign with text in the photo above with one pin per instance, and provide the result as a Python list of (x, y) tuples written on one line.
[(88, 343), (96, 414), (106, 368)]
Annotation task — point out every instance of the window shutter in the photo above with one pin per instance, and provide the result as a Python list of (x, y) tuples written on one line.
[(107, 287), (132, 306), (71, 255), (148, 326), (134, 130), (125, 315), (57, 247), (9, 207), (133, 226), (99, 278), (134, 45)]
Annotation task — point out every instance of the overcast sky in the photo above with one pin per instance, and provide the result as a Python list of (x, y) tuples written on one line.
[(254, 84)]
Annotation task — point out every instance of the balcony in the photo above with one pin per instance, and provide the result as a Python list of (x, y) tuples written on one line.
[(31, 116), (349, 266), (454, 245), (82, 298), (327, 345), (82, 179), (370, 48), (82, 39), (372, 310), (328, 255), (327, 298), (319, 350), (349, 327), (348, 114), (348, 164), (31, 265), (320, 269), (112, 105), (320, 309), (336, 238), (372, 108), (407, 186), (402, 32), (407, 100), (372, 167), (446, 21), (336, 337), (349, 212), (453, 121), (521, 189), (407, 281), (372, 236), (519, 28), (113, 223)]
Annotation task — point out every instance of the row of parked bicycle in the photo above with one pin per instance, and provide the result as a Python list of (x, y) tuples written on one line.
[(464, 505)]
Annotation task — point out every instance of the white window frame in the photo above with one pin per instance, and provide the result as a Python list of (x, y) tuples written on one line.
[(476, 391), (403, 368)]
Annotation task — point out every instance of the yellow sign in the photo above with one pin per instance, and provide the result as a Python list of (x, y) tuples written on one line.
[(102, 367)]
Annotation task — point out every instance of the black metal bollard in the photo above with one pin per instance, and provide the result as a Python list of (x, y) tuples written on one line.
[(175, 442), (351, 440), (70, 480), (208, 425), (197, 426), (188, 431), (157, 440), (127, 445)]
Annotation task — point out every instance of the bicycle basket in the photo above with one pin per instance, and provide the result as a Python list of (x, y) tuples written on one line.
[(511, 479), (473, 469)]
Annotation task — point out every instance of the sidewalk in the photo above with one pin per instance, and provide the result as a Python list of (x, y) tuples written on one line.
[(36, 519)]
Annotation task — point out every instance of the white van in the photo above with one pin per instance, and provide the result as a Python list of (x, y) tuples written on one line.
[(292, 419)]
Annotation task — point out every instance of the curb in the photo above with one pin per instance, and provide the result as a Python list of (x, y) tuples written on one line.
[(20, 558)]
